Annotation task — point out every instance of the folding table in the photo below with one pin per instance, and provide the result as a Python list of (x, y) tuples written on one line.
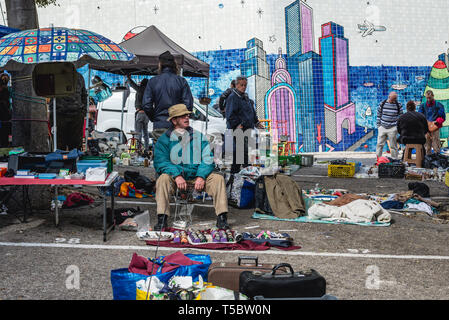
[(103, 187)]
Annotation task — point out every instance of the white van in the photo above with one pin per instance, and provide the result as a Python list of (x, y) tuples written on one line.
[(110, 114)]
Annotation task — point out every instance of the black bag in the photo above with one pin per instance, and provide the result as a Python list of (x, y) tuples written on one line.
[(140, 182), (420, 189), (303, 284), (93, 146), (262, 203)]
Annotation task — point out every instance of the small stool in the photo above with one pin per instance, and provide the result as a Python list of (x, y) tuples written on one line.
[(419, 154)]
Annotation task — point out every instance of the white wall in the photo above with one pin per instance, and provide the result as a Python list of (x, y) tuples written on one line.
[(417, 30)]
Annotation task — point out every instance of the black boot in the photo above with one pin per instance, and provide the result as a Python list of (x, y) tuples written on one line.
[(161, 222), (222, 221)]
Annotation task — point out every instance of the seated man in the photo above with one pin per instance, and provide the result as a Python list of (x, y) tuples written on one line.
[(412, 126), (182, 155)]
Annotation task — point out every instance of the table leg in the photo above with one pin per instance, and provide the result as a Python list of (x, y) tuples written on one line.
[(25, 207), (106, 228), (105, 213), (112, 207), (56, 207)]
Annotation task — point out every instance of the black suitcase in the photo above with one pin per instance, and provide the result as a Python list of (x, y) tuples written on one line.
[(303, 284)]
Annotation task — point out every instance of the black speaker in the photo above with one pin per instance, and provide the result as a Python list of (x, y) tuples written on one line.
[(54, 79)]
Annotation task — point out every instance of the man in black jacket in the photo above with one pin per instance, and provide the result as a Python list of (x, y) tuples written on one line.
[(412, 126), (241, 114), (164, 91)]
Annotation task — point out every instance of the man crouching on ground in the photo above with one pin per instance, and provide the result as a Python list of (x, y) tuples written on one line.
[(181, 157)]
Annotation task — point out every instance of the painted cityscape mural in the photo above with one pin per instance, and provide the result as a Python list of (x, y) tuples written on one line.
[(312, 96)]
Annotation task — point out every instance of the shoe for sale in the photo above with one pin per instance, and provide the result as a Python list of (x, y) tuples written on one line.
[(161, 222)]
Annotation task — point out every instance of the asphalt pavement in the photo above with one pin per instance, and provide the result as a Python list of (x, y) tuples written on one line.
[(407, 260)]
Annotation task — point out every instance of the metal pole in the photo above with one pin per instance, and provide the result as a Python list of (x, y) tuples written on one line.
[(55, 138), (207, 106), (123, 108), (86, 133)]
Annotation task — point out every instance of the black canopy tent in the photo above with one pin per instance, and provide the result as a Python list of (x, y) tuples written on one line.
[(148, 46)]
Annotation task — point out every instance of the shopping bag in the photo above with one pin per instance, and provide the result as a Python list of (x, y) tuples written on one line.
[(124, 282)]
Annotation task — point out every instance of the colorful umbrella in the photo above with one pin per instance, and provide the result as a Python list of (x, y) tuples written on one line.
[(57, 44)]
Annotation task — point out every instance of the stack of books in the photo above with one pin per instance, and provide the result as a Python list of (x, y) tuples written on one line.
[(24, 174)]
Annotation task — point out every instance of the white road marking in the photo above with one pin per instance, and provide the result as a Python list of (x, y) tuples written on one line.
[(268, 252)]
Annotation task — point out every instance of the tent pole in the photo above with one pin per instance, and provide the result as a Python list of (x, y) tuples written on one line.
[(86, 132)]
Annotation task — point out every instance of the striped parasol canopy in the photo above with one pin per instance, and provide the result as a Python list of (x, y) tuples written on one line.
[(59, 44)]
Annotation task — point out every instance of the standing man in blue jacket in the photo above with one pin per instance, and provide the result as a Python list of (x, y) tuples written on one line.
[(434, 112), (163, 91), (183, 157), (241, 114)]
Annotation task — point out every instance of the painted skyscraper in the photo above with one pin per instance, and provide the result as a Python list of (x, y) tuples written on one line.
[(257, 70), (280, 103), (310, 106), (306, 69), (299, 27), (339, 111)]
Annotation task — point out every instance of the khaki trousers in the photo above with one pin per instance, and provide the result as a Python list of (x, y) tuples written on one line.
[(433, 141), (391, 135), (214, 187)]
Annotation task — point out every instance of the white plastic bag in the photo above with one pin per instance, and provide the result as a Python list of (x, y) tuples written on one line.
[(143, 221), (96, 174)]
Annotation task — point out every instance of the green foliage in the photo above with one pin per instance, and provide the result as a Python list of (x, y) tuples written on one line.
[(45, 3)]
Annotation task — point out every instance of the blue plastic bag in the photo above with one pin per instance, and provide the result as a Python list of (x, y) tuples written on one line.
[(124, 282), (247, 196)]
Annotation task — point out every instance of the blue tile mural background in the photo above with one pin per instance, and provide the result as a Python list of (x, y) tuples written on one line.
[(369, 86), (334, 104)]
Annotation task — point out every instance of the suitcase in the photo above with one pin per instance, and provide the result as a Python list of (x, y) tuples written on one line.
[(303, 284), (227, 275)]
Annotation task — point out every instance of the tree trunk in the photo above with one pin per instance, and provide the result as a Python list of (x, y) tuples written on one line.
[(31, 135), (22, 14)]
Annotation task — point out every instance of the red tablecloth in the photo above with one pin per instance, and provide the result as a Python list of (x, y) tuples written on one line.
[(4, 181)]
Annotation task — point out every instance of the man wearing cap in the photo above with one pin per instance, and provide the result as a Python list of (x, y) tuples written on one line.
[(183, 157), (163, 91)]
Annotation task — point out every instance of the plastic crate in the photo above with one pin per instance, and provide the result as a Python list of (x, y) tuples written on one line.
[(289, 160), (83, 165), (393, 171), (107, 157), (342, 170)]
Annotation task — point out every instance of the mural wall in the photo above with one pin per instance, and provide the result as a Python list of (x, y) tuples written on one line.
[(311, 94)]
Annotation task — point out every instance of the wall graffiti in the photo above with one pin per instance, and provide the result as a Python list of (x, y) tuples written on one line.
[(313, 96)]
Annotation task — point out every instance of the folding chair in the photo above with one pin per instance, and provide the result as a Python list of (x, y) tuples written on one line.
[(184, 205)]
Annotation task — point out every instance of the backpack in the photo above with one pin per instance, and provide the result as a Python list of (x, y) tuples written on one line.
[(240, 191)]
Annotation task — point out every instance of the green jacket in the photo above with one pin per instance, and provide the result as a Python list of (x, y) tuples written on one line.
[(189, 156)]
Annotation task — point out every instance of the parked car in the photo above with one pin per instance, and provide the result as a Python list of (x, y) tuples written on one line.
[(110, 116)]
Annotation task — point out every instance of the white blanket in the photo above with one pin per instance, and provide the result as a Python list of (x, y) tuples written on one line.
[(356, 211)]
